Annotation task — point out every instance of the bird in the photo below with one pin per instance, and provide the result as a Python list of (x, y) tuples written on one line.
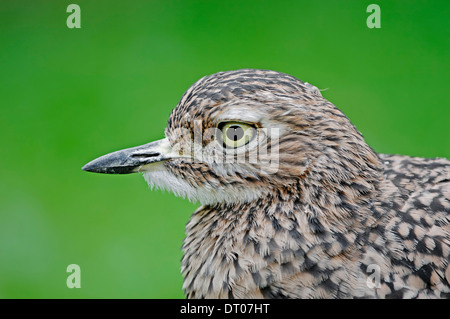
[(294, 203)]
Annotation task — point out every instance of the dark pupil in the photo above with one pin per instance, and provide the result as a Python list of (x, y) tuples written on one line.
[(235, 133)]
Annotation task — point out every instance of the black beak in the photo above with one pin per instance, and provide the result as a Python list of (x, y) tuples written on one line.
[(130, 160)]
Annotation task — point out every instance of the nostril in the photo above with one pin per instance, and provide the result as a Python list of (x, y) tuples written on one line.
[(146, 155)]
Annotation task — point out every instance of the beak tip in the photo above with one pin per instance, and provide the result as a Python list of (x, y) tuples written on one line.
[(99, 166), (89, 167)]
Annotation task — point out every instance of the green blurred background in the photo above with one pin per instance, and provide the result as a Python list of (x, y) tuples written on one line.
[(70, 95)]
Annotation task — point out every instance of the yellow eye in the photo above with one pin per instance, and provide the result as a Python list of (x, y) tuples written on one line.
[(235, 134)]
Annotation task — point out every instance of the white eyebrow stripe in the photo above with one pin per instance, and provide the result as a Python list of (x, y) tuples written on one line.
[(241, 114), (244, 113)]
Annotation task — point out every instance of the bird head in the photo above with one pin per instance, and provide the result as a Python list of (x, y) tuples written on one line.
[(240, 135)]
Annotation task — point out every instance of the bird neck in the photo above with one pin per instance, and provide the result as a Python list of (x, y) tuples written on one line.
[(322, 213), (254, 244)]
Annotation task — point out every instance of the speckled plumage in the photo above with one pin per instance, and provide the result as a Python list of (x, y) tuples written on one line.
[(335, 220)]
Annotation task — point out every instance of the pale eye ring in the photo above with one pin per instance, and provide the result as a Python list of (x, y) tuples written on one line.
[(235, 134)]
